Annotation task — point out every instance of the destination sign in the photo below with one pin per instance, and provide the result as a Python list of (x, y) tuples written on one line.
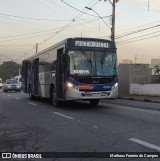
[(92, 44)]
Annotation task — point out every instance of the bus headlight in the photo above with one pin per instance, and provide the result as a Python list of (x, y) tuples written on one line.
[(69, 85), (114, 86)]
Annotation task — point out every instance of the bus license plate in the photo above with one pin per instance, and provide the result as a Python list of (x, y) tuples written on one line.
[(96, 95)]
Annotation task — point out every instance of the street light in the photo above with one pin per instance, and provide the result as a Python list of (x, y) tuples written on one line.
[(98, 16), (113, 2)]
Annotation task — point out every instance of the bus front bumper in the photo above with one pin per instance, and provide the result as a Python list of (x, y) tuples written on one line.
[(72, 94)]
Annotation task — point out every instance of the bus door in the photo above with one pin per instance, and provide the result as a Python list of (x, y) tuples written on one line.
[(59, 74), (36, 77), (24, 76)]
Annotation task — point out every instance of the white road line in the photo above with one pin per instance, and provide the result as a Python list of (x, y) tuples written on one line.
[(32, 103), (9, 95), (68, 117), (145, 144), (17, 98)]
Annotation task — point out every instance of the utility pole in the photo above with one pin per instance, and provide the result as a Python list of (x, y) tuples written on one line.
[(148, 5), (113, 21), (113, 3), (36, 47)]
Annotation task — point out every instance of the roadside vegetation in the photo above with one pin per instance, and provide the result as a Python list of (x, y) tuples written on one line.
[(9, 69)]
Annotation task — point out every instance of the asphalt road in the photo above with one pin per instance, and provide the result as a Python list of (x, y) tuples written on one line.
[(112, 126)]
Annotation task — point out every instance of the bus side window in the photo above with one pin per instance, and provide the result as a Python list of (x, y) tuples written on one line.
[(54, 65)]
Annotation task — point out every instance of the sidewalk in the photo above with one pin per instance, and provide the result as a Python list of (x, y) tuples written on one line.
[(153, 99)]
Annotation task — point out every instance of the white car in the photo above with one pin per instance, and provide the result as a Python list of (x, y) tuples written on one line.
[(11, 85)]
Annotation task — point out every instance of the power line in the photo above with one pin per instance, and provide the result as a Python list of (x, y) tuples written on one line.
[(140, 36), (139, 39), (98, 16), (147, 24), (139, 6), (53, 10), (26, 37), (66, 26), (30, 18), (78, 9), (133, 32), (58, 30)]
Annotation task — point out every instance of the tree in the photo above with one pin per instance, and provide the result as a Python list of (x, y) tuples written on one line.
[(157, 72), (9, 70)]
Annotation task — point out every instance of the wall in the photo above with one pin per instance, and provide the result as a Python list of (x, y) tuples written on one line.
[(140, 74), (123, 78), (145, 89)]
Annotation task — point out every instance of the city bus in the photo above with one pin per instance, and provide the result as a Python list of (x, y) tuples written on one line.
[(73, 69)]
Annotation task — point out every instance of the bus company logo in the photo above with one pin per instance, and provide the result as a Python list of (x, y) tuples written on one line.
[(6, 155), (106, 87)]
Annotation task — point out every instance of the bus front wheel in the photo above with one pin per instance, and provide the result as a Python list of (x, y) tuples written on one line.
[(94, 102)]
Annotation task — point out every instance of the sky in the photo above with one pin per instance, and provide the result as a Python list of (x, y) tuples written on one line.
[(24, 23)]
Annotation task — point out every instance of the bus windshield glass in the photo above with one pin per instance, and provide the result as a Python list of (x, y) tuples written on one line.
[(92, 63)]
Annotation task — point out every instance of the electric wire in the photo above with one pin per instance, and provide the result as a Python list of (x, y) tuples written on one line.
[(29, 18)]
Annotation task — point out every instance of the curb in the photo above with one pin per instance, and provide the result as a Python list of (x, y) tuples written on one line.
[(147, 100), (139, 99)]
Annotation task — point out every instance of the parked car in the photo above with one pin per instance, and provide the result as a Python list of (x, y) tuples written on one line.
[(11, 85)]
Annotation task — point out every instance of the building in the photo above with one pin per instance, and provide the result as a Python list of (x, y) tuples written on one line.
[(132, 73)]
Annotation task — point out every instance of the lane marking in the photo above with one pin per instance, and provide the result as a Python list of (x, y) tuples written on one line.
[(145, 144), (17, 98), (32, 103), (9, 95), (68, 117)]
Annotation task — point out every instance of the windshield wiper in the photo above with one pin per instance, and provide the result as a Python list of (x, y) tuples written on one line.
[(85, 54)]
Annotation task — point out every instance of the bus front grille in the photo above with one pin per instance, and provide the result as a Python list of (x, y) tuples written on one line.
[(94, 80)]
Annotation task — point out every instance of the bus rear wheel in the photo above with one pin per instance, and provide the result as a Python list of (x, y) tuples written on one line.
[(55, 102), (94, 102)]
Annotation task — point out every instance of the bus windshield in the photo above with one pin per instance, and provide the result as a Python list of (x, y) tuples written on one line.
[(92, 63)]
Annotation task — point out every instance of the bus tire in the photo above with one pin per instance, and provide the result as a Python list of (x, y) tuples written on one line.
[(55, 102), (94, 102)]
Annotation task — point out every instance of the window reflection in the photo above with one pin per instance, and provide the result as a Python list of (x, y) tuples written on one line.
[(92, 63)]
